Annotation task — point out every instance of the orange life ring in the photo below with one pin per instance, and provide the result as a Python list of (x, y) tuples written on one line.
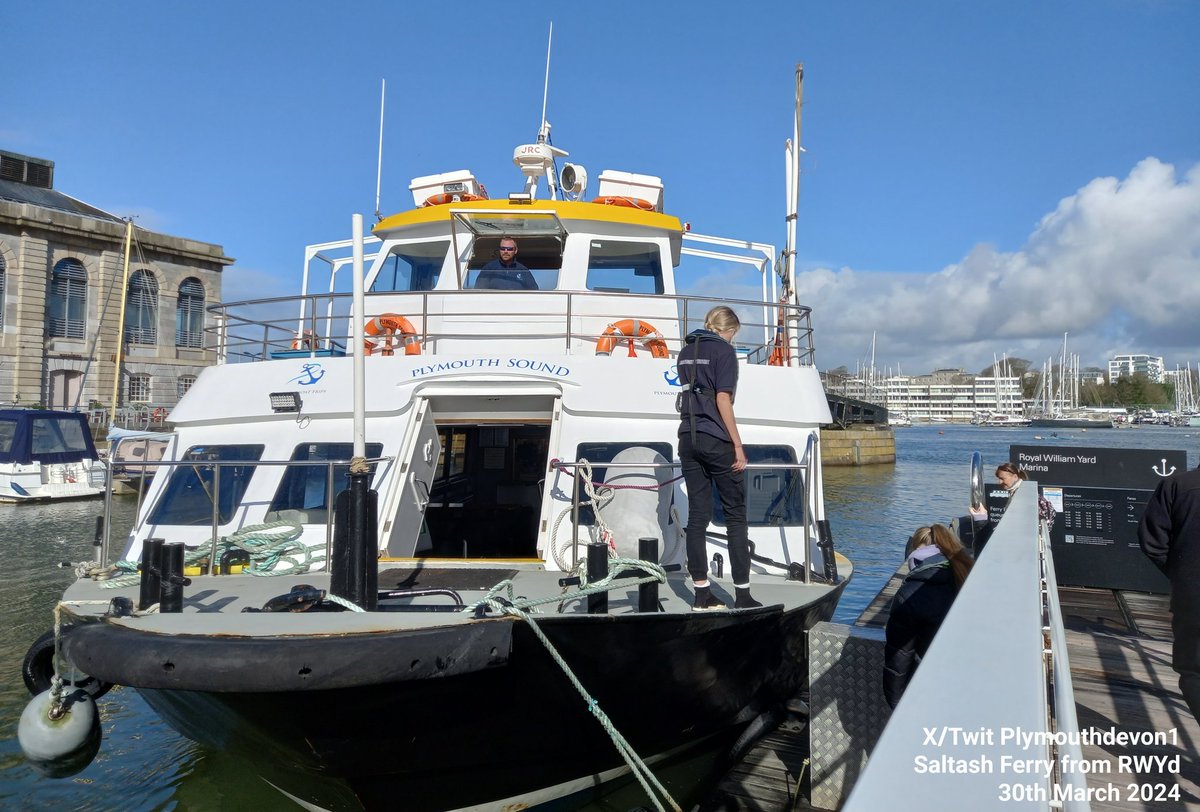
[(388, 325), (623, 200), (443, 199), (631, 329), (158, 415)]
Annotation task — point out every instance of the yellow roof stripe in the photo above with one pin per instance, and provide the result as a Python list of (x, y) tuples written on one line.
[(565, 209)]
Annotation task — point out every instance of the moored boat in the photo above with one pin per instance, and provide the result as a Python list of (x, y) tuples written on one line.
[(47, 455), (503, 571)]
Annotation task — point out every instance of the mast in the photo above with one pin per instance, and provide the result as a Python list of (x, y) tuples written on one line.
[(112, 413), (792, 151)]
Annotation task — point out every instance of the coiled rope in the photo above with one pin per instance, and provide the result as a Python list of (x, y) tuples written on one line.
[(274, 549), (517, 607)]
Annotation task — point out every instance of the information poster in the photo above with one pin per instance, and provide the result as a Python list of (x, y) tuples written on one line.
[(1099, 495)]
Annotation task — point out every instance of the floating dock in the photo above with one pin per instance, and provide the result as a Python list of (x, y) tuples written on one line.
[(1119, 646)]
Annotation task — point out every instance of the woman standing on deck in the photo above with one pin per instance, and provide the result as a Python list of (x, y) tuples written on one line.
[(937, 566), (710, 450)]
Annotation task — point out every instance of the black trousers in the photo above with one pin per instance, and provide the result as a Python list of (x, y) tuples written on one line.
[(1185, 658), (710, 463)]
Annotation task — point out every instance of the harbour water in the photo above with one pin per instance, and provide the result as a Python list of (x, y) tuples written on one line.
[(144, 765)]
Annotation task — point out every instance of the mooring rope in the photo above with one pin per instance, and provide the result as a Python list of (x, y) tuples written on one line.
[(516, 607), (271, 554)]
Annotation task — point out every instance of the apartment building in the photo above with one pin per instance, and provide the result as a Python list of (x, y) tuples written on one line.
[(1149, 365)]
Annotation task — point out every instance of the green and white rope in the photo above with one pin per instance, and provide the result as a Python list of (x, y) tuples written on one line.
[(516, 607), (274, 549)]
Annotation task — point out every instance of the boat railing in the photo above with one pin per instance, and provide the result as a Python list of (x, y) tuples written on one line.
[(215, 466), (569, 322), (989, 717), (582, 490)]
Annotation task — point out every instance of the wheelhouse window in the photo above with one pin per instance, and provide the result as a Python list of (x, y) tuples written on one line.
[(597, 454), (138, 390), (141, 309), (413, 267), (774, 496), (540, 254), (305, 488), (190, 493), (624, 267), (67, 300), (189, 315)]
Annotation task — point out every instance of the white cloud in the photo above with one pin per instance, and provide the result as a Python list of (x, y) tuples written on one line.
[(1116, 265)]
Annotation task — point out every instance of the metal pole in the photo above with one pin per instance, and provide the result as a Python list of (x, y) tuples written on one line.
[(216, 518)]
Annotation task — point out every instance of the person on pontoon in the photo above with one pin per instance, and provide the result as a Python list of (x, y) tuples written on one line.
[(1010, 477), (505, 273), (938, 565), (1169, 535)]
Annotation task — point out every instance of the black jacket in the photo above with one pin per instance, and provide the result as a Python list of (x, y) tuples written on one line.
[(920, 606), (1169, 534)]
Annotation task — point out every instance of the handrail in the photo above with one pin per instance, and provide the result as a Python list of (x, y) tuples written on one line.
[(978, 708), (140, 521), (240, 333), (804, 468)]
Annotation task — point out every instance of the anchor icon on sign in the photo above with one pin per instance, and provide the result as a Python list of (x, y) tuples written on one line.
[(1164, 471)]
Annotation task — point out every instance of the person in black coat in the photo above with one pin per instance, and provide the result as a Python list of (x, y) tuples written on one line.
[(1169, 535), (937, 566)]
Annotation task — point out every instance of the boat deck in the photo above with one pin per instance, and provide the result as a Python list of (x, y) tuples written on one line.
[(1119, 645)]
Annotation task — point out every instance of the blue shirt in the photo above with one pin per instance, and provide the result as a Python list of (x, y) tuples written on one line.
[(498, 276), (710, 363)]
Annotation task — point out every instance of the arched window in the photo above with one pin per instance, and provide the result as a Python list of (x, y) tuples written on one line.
[(67, 302), (189, 314), (141, 309), (3, 279)]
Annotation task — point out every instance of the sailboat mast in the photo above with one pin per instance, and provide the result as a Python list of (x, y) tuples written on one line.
[(112, 413)]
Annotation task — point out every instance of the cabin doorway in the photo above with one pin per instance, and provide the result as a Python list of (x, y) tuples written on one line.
[(487, 493)]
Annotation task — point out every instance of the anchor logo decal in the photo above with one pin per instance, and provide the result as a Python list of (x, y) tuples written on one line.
[(671, 376), (311, 374), (1164, 471)]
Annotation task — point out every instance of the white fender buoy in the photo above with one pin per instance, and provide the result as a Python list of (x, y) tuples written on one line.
[(641, 507), (60, 747)]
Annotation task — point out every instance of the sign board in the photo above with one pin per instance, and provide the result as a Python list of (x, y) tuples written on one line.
[(1099, 495)]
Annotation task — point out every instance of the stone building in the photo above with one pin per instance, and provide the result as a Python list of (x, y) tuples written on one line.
[(62, 263)]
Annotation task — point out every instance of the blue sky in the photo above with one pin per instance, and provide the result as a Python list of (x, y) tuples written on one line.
[(979, 178)]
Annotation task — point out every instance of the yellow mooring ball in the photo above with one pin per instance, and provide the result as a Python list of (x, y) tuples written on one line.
[(60, 747)]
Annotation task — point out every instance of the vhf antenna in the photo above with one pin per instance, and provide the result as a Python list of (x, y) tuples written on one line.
[(379, 168), (544, 132)]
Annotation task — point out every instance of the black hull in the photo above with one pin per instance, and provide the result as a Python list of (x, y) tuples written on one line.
[(511, 728)]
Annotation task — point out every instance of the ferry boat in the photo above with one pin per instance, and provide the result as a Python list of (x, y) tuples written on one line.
[(493, 614), (47, 455), (998, 419)]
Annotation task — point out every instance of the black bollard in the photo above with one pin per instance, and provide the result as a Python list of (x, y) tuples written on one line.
[(648, 593), (825, 544), (597, 568), (171, 597), (354, 570), (151, 584), (98, 541)]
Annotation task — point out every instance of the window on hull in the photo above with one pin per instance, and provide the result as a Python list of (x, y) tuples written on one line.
[(774, 497), (304, 488), (188, 499)]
